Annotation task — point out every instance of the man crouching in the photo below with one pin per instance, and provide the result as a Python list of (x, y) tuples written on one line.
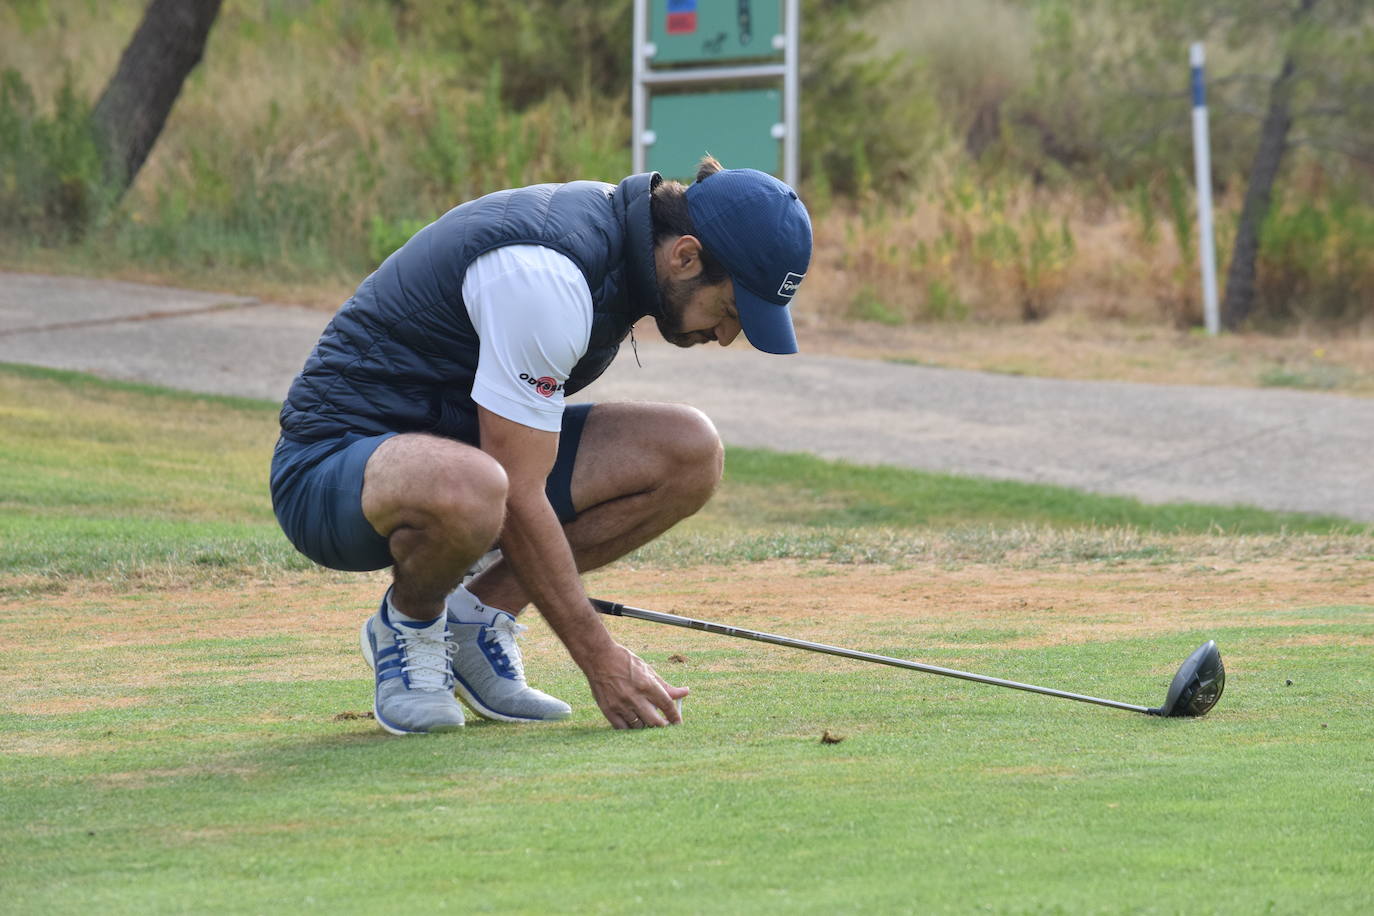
[(429, 425)]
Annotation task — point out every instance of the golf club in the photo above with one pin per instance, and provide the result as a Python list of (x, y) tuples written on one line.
[(1194, 690)]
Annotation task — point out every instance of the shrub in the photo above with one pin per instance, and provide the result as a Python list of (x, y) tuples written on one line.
[(1317, 260), (51, 178)]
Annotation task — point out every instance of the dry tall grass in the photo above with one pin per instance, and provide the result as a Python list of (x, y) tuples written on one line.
[(313, 138), (970, 248)]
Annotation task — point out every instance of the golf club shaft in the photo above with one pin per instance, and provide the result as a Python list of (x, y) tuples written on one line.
[(620, 610)]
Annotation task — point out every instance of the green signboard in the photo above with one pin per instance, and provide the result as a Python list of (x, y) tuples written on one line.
[(709, 31), (735, 127)]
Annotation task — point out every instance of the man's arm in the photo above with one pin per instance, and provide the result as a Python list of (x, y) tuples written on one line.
[(626, 689)]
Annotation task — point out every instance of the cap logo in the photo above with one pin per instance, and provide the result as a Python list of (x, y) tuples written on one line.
[(790, 284)]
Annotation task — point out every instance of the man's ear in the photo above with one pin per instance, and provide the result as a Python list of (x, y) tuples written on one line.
[(684, 257)]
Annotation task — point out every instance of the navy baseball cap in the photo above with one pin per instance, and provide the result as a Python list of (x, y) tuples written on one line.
[(759, 230)]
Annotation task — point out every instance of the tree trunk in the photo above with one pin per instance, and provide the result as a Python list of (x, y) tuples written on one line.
[(1273, 142), (133, 108)]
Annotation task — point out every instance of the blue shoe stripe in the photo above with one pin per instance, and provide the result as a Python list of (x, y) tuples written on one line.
[(495, 655)]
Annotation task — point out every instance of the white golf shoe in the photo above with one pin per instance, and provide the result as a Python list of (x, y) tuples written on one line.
[(489, 673), (414, 682)]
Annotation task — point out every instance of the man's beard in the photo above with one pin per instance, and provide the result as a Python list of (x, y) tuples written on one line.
[(675, 294)]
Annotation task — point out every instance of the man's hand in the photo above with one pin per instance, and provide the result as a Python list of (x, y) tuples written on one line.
[(629, 692)]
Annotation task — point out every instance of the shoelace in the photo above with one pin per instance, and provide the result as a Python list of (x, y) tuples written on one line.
[(428, 662), (505, 654)]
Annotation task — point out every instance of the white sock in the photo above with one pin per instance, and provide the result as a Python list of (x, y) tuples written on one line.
[(397, 617), (464, 605)]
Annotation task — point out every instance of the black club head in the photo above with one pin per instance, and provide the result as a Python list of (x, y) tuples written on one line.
[(1198, 684)]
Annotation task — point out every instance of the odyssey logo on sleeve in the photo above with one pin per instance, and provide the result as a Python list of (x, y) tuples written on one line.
[(543, 385)]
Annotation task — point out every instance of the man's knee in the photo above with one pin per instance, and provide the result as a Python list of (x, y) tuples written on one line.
[(420, 481), (691, 457), (471, 494), (699, 453)]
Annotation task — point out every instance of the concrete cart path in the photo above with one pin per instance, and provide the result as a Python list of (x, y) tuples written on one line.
[(1270, 448)]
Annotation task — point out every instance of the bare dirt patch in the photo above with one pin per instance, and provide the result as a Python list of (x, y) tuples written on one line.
[(1328, 639), (1070, 604), (59, 705), (115, 646), (113, 640)]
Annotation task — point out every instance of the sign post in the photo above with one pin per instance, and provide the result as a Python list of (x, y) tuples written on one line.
[(718, 77)]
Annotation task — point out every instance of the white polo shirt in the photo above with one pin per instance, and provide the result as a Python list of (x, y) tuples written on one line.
[(532, 311)]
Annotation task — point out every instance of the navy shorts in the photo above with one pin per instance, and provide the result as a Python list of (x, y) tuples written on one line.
[(317, 493)]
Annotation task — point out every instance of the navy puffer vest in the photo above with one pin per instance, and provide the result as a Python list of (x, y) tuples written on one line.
[(402, 353)]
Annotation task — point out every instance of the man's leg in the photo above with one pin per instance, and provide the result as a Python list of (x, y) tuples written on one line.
[(640, 469), (439, 503)]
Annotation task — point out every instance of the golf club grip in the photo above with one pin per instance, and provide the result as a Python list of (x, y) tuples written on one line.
[(615, 609)]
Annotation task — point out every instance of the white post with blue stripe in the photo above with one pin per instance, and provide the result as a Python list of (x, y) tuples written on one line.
[(1202, 167)]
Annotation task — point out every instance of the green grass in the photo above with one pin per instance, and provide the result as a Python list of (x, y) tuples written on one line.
[(99, 476), (85, 445), (942, 797), (1317, 378), (200, 765), (791, 489)]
